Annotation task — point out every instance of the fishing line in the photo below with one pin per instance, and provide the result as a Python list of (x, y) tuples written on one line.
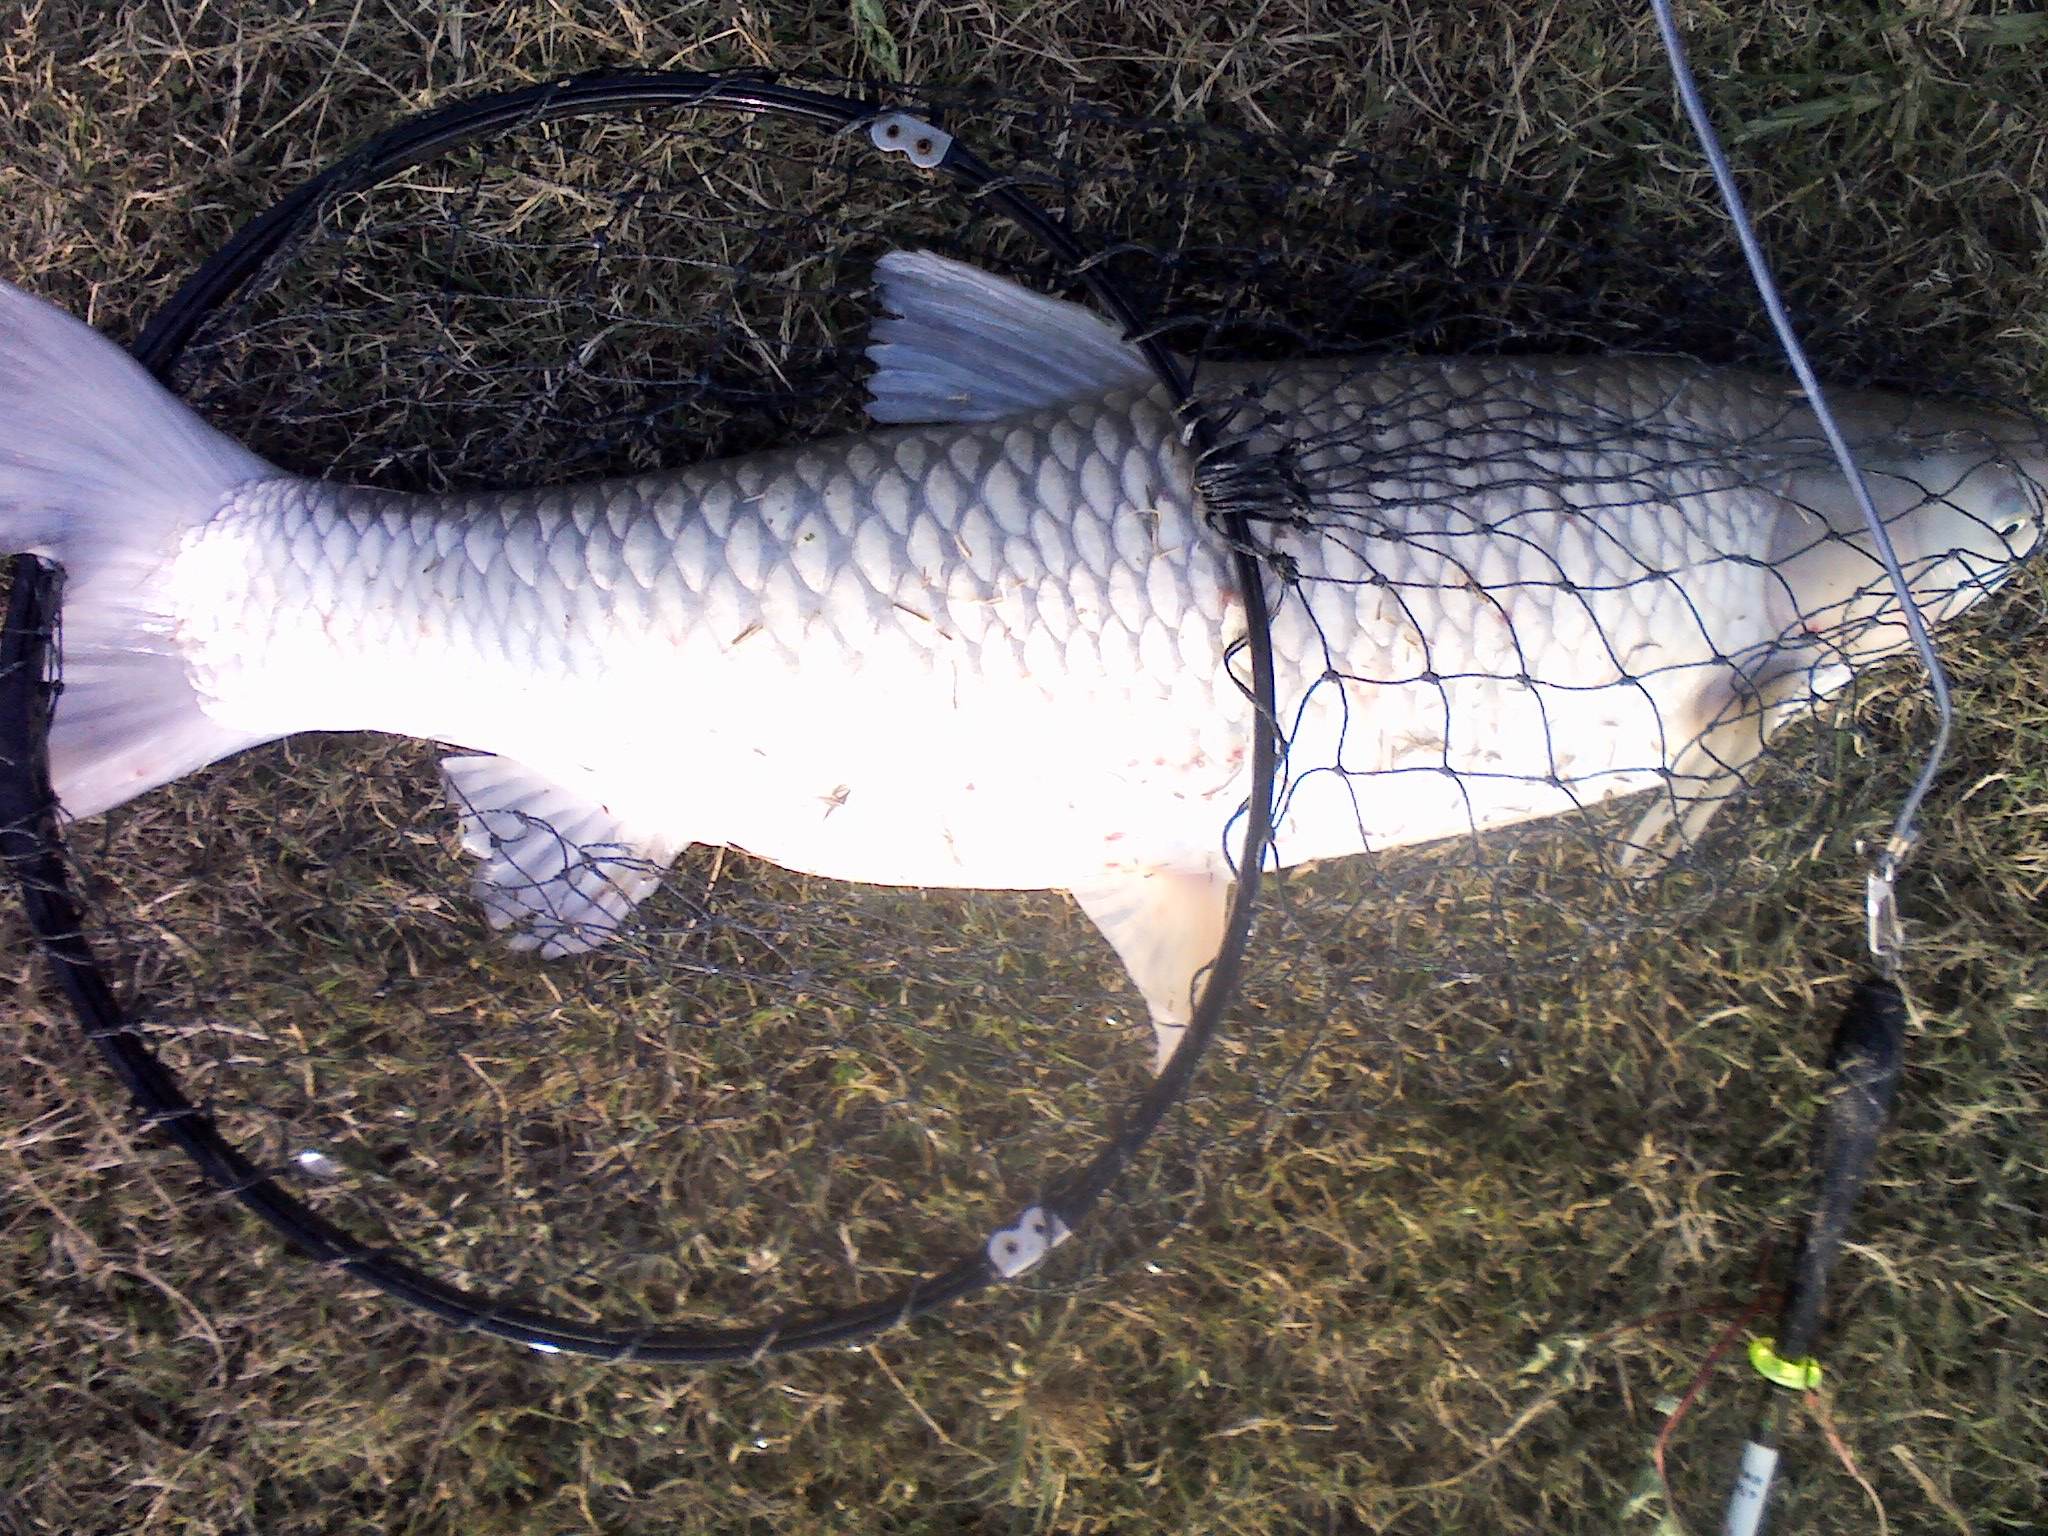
[(1868, 1050), (1883, 938)]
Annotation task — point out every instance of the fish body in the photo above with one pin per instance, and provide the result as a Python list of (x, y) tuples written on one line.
[(978, 655), (1533, 584), (989, 643)]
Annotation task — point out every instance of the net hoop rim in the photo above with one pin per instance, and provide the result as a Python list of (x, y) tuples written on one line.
[(32, 846)]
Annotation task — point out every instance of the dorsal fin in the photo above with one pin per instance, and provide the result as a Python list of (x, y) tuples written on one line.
[(560, 873), (957, 344)]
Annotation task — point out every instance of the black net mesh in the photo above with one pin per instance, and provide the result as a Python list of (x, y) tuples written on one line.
[(1545, 636)]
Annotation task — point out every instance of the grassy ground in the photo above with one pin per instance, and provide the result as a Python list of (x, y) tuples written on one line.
[(1454, 1279)]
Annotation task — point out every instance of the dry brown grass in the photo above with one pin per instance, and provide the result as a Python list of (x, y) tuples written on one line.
[(1496, 1222)]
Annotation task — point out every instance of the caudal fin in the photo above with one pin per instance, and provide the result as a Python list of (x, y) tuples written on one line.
[(102, 470)]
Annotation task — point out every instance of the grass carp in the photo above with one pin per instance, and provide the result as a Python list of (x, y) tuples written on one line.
[(989, 642)]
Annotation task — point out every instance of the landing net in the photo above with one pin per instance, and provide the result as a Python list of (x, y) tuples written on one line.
[(1529, 660)]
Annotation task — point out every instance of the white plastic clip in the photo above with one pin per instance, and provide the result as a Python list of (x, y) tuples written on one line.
[(898, 133), (1885, 934), (319, 1164), (1016, 1249)]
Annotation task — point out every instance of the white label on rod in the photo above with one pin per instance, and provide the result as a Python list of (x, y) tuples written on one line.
[(1752, 1491)]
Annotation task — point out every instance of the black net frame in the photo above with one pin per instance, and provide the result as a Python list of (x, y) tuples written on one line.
[(28, 807)]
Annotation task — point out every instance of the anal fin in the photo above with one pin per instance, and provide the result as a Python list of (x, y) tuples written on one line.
[(1166, 926), (560, 872)]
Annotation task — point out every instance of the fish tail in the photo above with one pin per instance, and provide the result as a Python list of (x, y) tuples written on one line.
[(103, 471)]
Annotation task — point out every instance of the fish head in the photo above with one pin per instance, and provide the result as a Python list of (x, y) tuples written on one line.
[(1961, 517), (1979, 518)]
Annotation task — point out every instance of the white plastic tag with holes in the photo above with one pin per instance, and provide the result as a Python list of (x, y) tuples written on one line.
[(1013, 1250), (898, 133)]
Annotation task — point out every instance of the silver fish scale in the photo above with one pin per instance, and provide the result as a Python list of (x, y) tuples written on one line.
[(993, 654), (878, 657)]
